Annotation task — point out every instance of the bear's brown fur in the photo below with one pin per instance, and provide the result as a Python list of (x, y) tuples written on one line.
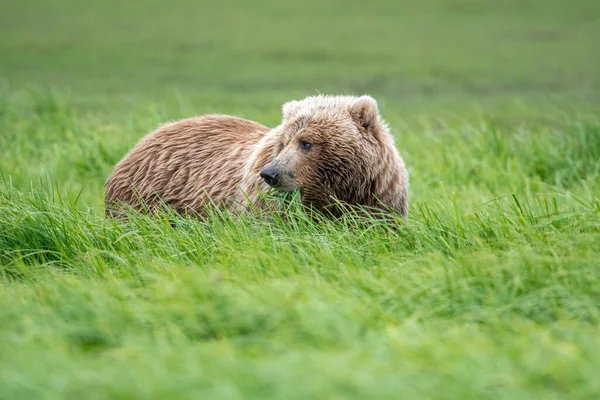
[(185, 164), (334, 149)]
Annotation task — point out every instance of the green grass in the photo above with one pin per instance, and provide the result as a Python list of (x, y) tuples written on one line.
[(490, 289)]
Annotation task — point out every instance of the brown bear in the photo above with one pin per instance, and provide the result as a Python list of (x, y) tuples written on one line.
[(336, 150)]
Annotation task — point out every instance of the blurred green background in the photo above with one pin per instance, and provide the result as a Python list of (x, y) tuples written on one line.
[(415, 53)]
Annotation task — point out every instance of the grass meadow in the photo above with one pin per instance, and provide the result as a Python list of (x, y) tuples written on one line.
[(489, 290)]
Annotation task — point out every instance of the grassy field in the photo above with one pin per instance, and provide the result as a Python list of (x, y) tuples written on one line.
[(490, 290)]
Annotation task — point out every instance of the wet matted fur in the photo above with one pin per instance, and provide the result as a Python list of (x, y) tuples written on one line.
[(337, 150)]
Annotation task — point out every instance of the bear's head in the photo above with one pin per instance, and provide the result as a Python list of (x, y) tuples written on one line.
[(336, 150)]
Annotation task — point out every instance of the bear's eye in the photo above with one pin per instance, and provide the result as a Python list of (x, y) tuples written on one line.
[(305, 145)]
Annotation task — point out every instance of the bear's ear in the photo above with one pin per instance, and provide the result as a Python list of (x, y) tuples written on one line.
[(289, 108), (364, 111)]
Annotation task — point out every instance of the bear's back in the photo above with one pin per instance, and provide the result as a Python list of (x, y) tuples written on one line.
[(185, 164)]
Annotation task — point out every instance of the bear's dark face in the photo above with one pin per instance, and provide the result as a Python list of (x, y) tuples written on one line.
[(330, 154)]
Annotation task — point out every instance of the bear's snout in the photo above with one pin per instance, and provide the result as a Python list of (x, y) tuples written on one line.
[(279, 177), (270, 176)]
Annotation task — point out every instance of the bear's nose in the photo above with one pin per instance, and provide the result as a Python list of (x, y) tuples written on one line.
[(270, 175)]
